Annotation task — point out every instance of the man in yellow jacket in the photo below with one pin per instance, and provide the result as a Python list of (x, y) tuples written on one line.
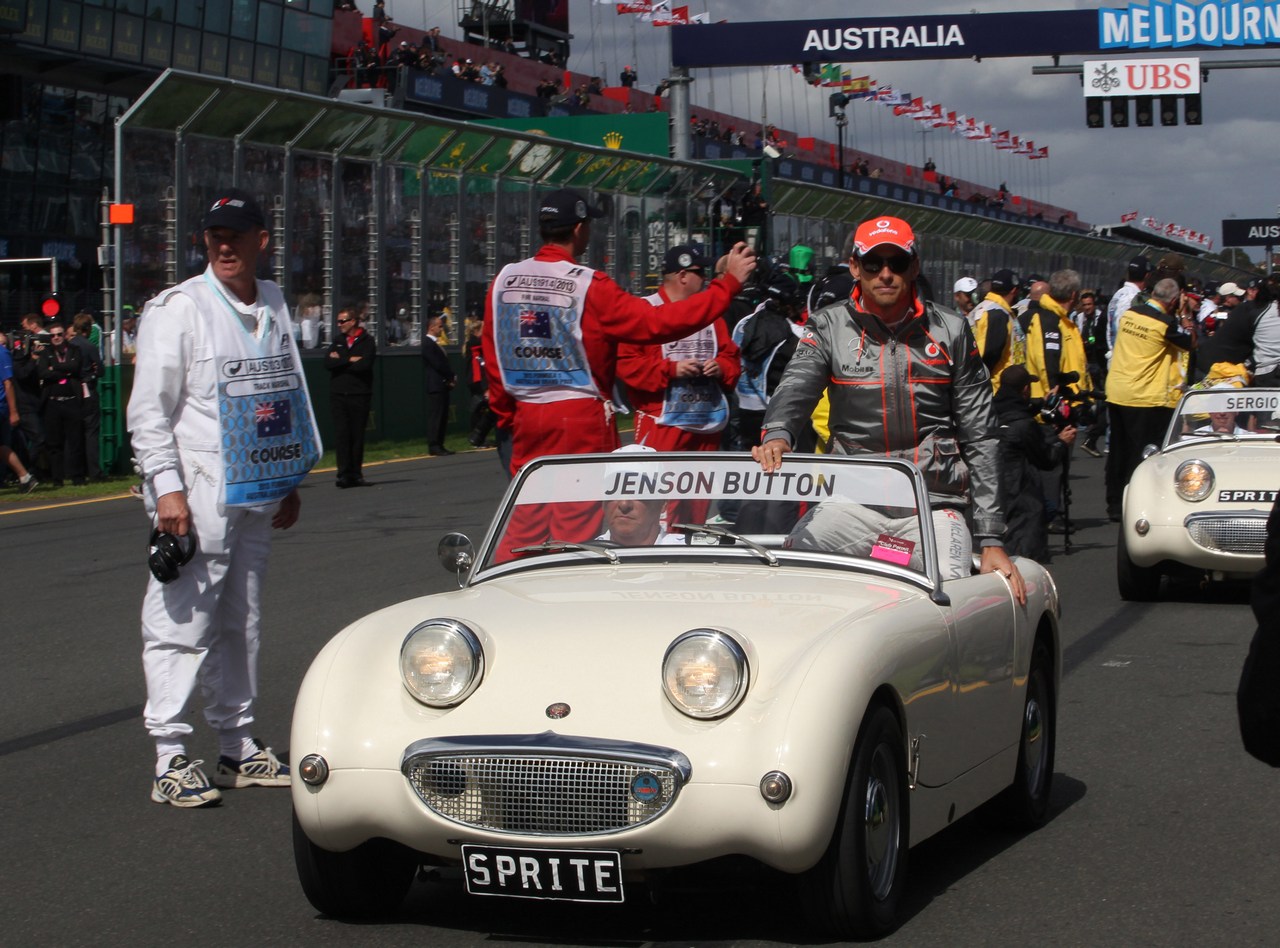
[(1055, 347), (1000, 339), (1150, 341), (1057, 365)]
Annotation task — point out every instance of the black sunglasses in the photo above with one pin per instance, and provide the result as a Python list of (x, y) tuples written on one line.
[(899, 263)]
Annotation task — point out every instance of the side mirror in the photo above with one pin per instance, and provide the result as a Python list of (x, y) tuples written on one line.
[(456, 555), (1149, 450)]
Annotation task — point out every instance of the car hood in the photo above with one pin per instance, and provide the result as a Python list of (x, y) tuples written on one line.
[(593, 638)]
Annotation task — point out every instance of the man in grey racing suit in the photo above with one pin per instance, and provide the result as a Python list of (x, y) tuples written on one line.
[(904, 380)]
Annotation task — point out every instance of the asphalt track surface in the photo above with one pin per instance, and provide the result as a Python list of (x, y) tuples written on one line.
[(1162, 833)]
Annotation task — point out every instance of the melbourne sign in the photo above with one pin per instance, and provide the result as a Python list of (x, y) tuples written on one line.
[(1141, 77), (1255, 232), (1171, 24), (1212, 23)]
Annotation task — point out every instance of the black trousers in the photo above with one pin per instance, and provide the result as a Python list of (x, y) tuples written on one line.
[(64, 437), (437, 418), (482, 419), (92, 426), (350, 415), (28, 437), (1132, 429)]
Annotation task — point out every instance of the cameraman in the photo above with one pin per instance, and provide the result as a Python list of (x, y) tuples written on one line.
[(1026, 448), (1059, 369)]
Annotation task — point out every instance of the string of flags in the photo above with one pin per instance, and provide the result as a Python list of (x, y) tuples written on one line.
[(936, 115), (1168, 230), (660, 13)]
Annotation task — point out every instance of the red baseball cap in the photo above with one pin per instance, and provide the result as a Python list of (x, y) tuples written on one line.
[(883, 230)]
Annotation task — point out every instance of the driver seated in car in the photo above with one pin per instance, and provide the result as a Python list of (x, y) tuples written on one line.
[(1221, 423), (631, 521), (857, 530)]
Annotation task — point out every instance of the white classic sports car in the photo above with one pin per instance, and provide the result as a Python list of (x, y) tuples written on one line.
[(1198, 504), (627, 681)]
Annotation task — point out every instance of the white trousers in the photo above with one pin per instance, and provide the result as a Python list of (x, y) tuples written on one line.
[(202, 628)]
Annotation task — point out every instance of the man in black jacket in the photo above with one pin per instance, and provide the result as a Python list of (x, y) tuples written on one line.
[(350, 364), (1026, 448), (61, 370), (440, 380)]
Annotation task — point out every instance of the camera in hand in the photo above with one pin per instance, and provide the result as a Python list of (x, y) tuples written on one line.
[(167, 554), (1064, 409)]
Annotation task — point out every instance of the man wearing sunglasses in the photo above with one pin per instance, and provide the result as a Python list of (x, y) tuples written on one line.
[(905, 380)]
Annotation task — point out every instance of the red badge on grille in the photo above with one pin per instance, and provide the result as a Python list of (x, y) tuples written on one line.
[(557, 711)]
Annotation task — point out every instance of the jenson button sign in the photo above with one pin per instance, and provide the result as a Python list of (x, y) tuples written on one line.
[(1212, 24)]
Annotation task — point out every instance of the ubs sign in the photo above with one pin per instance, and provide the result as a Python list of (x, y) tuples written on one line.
[(1256, 232), (1141, 77)]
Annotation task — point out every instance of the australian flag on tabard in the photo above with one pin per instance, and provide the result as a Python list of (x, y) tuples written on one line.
[(273, 418), (535, 323)]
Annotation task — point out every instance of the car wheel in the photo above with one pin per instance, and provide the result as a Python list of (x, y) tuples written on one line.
[(853, 892), (370, 880), (1024, 804), (1137, 583)]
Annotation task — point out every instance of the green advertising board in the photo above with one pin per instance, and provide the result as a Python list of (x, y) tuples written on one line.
[(646, 133)]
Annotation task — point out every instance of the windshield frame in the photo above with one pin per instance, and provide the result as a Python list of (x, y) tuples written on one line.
[(1242, 400), (901, 475)]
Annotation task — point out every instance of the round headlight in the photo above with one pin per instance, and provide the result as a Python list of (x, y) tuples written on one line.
[(441, 662), (704, 673), (1193, 480)]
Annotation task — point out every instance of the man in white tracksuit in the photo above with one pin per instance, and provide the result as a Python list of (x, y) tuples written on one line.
[(223, 429)]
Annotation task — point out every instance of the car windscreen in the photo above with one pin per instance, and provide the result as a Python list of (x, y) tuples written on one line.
[(617, 505), (1226, 413)]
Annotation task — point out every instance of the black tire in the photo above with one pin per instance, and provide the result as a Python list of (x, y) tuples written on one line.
[(853, 892), (1136, 583), (370, 880), (1025, 803)]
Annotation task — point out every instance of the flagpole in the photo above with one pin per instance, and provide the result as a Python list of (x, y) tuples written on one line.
[(764, 96)]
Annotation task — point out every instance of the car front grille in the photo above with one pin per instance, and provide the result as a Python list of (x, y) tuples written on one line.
[(542, 794), (1229, 534)]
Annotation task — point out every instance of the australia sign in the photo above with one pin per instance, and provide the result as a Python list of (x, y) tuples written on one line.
[(1211, 24), (1251, 232)]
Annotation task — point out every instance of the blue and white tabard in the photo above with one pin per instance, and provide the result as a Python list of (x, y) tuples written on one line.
[(269, 439), (694, 404), (537, 330)]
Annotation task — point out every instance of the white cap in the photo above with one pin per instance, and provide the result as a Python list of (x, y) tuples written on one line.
[(1230, 289), (966, 285)]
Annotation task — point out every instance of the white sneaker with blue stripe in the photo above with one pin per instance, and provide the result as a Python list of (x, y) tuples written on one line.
[(184, 784), (260, 769)]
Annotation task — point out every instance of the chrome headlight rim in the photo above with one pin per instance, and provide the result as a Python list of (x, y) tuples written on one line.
[(717, 638), (474, 650), (1206, 476)]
